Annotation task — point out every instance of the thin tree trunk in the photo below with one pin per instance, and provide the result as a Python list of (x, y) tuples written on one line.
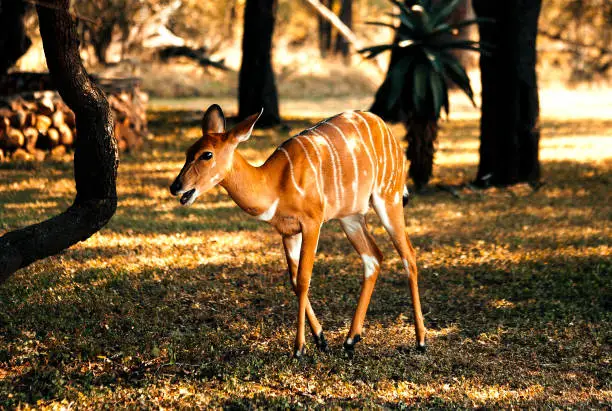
[(324, 31), (95, 156), (257, 88), (509, 129), (346, 16), (14, 41)]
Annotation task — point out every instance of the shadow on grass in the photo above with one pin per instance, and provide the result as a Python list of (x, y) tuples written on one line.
[(143, 321)]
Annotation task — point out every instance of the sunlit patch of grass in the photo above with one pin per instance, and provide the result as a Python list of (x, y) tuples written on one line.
[(190, 307)]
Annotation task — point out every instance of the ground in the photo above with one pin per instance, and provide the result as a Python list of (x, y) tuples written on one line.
[(170, 306)]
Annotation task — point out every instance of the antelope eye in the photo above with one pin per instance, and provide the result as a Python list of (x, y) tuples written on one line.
[(207, 155)]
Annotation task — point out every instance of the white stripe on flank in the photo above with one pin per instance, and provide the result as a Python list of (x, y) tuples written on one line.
[(355, 171), (365, 146), (399, 166), (375, 163), (314, 170), (300, 190), (392, 157), (384, 152), (337, 166), (306, 137)]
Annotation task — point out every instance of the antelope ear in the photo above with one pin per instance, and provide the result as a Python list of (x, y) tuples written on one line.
[(214, 120), (242, 131)]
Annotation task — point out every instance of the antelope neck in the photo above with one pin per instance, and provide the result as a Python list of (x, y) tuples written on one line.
[(251, 188)]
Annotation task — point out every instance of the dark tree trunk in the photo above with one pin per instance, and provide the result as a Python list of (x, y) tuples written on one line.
[(14, 41), (509, 129), (421, 136), (95, 156), (257, 88), (346, 16), (324, 31)]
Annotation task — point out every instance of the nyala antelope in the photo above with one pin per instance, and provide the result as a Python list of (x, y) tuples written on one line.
[(333, 170)]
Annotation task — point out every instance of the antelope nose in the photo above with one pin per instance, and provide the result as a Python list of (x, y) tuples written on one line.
[(175, 188)]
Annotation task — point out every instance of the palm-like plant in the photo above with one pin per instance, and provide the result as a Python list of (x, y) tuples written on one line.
[(421, 65)]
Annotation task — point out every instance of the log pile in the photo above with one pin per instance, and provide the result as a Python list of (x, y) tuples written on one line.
[(37, 124)]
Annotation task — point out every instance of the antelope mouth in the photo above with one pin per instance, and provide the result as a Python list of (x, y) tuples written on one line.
[(188, 197)]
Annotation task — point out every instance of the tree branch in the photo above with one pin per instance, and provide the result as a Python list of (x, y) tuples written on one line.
[(558, 37), (95, 156), (342, 28)]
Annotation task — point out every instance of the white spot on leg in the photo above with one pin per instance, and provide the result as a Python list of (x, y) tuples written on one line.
[(381, 210), (269, 213), (407, 267), (351, 224), (370, 264), (396, 199), (294, 246)]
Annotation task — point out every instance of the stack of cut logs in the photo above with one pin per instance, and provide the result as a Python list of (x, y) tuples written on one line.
[(35, 125)]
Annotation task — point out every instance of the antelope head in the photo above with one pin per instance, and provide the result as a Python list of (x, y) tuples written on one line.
[(210, 158)]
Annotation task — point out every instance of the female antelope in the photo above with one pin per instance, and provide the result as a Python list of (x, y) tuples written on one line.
[(333, 170)]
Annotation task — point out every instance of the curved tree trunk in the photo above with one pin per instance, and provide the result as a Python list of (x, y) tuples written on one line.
[(421, 136), (95, 156), (14, 41), (256, 84)]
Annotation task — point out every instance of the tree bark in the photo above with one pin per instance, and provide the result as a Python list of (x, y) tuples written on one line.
[(509, 127), (421, 136), (95, 156), (257, 87), (14, 41)]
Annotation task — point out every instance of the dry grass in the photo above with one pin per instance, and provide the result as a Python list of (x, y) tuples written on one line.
[(177, 307)]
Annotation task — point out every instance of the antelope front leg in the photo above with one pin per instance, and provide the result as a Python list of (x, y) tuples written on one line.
[(293, 245), (310, 240), (357, 232)]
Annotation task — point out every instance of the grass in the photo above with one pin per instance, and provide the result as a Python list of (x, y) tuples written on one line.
[(188, 307)]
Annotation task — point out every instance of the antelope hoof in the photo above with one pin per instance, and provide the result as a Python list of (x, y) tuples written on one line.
[(321, 342), (298, 353), (421, 347), (349, 344)]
